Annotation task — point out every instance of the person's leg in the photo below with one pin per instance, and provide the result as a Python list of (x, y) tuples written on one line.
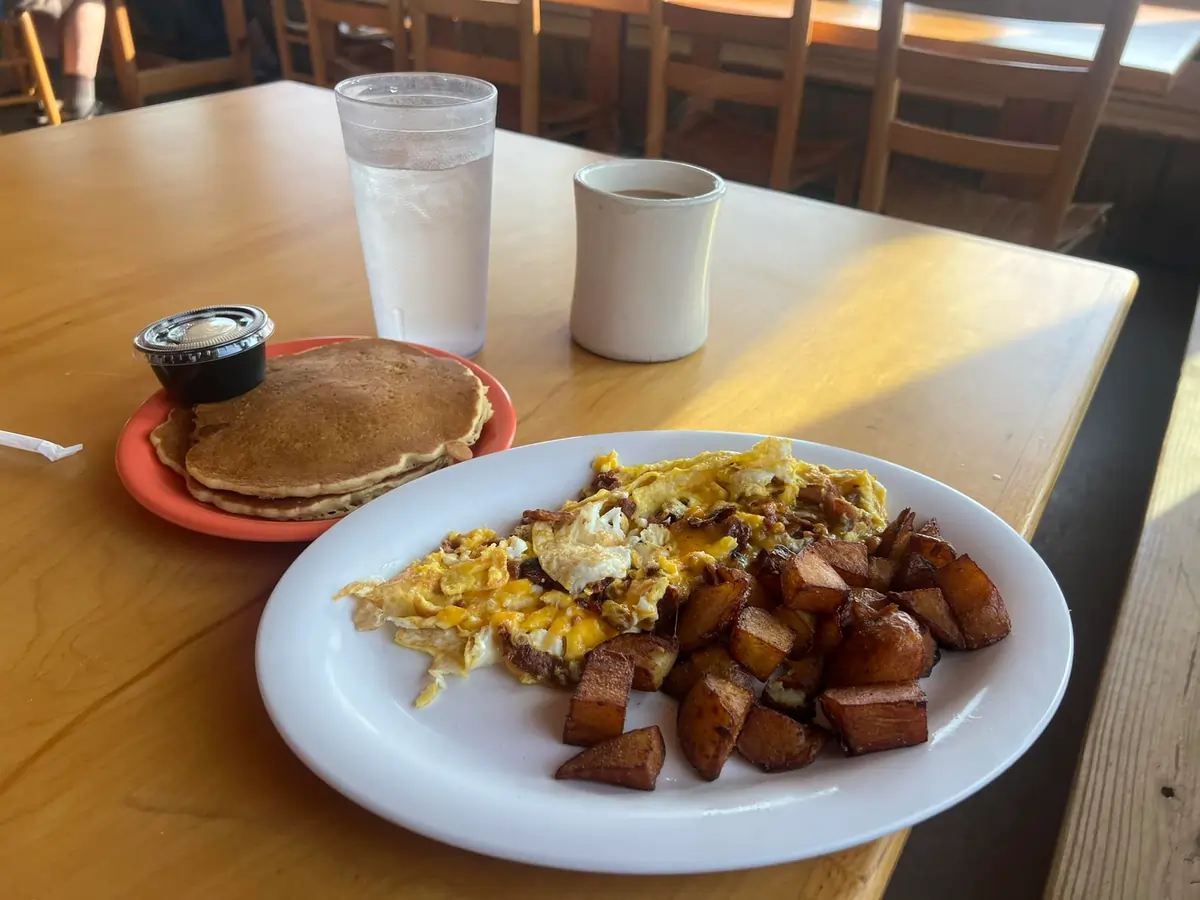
[(83, 35)]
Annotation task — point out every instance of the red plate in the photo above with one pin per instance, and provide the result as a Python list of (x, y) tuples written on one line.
[(163, 492)]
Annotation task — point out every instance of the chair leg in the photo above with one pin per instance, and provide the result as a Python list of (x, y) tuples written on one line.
[(399, 36), (531, 68), (420, 39), (124, 54), (316, 45), (287, 66), (239, 43), (656, 104), (846, 189), (604, 79), (41, 78)]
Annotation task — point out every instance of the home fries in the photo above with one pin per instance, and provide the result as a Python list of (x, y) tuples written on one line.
[(748, 586)]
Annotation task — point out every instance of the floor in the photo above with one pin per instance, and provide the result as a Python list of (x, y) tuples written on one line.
[(999, 845)]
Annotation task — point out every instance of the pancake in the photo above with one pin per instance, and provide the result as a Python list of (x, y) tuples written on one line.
[(172, 439), (297, 509), (338, 419)]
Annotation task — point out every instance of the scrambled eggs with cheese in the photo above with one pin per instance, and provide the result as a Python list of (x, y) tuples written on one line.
[(567, 580)]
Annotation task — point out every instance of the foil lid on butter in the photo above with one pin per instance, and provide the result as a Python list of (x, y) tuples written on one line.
[(203, 335)]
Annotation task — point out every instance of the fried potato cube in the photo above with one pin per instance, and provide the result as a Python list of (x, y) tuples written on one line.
[(913, 573), (828, 634), (929, 606), (721, 573), (598, 704), (709, 611), (710, 720), (810, 584), (893, 543), (885, 649), (767, 568), (776, 743), (880, 572), (760, 642), (793, 690), (631, 760), (713, 660), (881, 717), (803, 624), (932, 652), (977, 605), (848, 559), (863, 603), (759, 596), (933, 550), (931, 529), (652, 657)]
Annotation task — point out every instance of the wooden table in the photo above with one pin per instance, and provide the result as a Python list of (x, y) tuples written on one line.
[(137, 758), (1133, 826), (1162, 43)]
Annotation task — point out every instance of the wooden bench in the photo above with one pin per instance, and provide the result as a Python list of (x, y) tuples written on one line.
[(1133, 823)]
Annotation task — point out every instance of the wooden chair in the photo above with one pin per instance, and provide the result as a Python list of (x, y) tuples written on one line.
[(141, 75), (289, 34), (29, 66), (710, 140), (1050, 221), (322, 19), (549, 116)]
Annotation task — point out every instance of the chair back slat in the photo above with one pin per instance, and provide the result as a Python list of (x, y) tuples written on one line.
[(756, 31), (967, 152), (1053, 84), (485, 12), (489, 68), (710, 84)]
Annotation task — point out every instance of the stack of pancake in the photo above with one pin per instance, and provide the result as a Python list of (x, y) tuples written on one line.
[(328, 430)]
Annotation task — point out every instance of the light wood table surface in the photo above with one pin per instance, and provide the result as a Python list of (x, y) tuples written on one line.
[(137, 759), (1133, 824), (1162, 43)]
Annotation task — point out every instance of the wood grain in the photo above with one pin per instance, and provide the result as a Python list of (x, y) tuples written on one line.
[(137, 759), (1133, 823)]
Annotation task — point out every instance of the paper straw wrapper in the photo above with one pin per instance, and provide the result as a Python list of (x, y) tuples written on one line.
[(48, 449)]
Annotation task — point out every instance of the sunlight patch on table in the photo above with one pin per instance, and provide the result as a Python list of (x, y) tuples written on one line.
[(850, 341)]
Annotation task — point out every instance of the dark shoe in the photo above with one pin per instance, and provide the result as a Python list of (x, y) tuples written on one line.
[(97, 109)]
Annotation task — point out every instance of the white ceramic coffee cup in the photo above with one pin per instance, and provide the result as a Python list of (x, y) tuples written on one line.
[(641, 265)]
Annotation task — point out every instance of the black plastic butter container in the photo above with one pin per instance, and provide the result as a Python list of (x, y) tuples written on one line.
[(207, 355)]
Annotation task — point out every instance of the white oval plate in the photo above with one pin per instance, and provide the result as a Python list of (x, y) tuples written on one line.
[(475, 768)]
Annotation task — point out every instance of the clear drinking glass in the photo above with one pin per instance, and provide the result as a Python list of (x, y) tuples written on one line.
[(420, 153)]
